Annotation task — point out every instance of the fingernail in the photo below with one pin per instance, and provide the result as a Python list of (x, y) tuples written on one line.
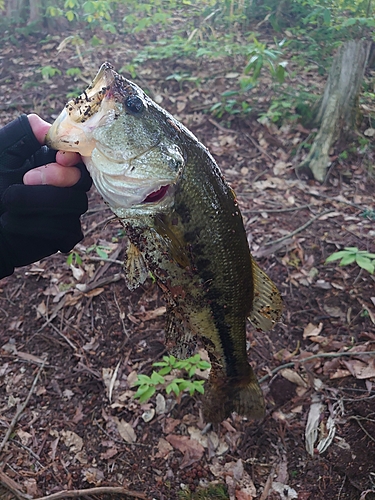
[(34, 177)]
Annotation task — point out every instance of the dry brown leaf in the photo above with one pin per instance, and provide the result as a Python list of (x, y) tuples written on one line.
[(164, 448), (192, 450), (111, 452), (125, 430), (360, 369), (72, 441), (93, 475), (293, 377), (31, 487), (78, 414), (312, 330)]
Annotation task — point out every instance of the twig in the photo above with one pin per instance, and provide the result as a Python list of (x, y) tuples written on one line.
[(48, 321), (87, 287), (299, 229), (259, 148), (11, 485), (220, 127), (276, 210), (357, 419), (93, 491), (20, 410), (315, 356)]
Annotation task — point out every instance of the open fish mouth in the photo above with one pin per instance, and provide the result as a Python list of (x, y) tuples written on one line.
[(157, 195)]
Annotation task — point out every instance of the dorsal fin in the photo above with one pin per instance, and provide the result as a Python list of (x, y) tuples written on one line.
[(267, 303)]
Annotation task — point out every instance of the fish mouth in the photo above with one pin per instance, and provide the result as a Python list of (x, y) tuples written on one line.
[(157, 195)]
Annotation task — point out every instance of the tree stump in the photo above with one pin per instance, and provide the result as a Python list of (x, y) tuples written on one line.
[(338, 108)]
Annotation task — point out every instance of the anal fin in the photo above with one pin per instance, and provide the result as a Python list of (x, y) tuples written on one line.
[(267, 302)]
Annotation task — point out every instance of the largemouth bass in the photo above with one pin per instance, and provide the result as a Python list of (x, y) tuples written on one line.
[(184, 226)]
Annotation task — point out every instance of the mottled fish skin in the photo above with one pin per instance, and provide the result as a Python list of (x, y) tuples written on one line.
[(192, 240)]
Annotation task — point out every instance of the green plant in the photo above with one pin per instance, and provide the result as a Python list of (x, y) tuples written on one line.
[(101, 250), (210, 492), (74, 259), (49, 72), (73, 72), (147, 386), (349, 255), (261, 55)]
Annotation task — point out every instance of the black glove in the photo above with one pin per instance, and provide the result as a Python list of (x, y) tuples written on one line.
[(35, 221)]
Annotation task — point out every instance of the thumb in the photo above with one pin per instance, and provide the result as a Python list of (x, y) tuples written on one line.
[(39, 127)]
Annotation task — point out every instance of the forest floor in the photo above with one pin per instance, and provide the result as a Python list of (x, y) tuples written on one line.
[(86, 336)]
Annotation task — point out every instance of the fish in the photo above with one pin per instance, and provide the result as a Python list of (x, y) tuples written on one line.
[(184, 227)]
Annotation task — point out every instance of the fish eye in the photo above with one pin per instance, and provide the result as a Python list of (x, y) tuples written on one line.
[(134, 104)]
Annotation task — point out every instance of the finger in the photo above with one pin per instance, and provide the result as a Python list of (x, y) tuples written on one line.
[(52, 174), (67, 158), (39, 127)]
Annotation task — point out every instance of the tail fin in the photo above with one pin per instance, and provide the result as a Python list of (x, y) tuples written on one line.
[(226, 395)]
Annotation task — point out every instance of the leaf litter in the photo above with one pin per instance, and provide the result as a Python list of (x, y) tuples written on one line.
[(82, 425)]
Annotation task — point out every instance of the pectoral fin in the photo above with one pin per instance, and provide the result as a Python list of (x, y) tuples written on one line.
[(267, 302), (136, 268), (173, 241)]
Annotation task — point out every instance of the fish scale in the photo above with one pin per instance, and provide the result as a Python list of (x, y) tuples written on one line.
[(184, 226)]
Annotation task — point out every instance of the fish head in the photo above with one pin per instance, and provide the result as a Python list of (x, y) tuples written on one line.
[(125, 140)]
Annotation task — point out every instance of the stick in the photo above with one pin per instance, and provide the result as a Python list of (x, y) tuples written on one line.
[(93, 491), (276, 210), (11, 485), (299, 229), (20, 410)]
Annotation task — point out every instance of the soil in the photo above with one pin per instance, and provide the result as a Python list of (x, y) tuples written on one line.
[(79, 328)]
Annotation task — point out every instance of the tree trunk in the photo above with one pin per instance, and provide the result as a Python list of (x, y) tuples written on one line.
[(35, 14), (338, 109)]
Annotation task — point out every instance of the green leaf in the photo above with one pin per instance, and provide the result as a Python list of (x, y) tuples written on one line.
[(365, 263), (348, 259), (156, 378), (147, 394), (165, 371), (338, 255), (204, 365)]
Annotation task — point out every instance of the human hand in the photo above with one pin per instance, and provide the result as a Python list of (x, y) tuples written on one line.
[(37, 220), (60, 173)]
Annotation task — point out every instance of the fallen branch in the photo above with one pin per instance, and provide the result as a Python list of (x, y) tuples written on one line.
[(291, 364), (276, 210), (10, 485), (20, 409), (299, 229), (93, 491)]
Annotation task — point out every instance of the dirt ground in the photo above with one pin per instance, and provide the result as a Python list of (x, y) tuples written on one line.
[(86, 337)]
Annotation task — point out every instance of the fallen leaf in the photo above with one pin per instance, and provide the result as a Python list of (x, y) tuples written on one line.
[(312, 330), (93, 475), (164, 448), (111, 452), (78, 414), (312, 425), (125, 430), (285, 491), (72, 441), (192, 450), (24, 436), (31, 487), (359, 369)]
